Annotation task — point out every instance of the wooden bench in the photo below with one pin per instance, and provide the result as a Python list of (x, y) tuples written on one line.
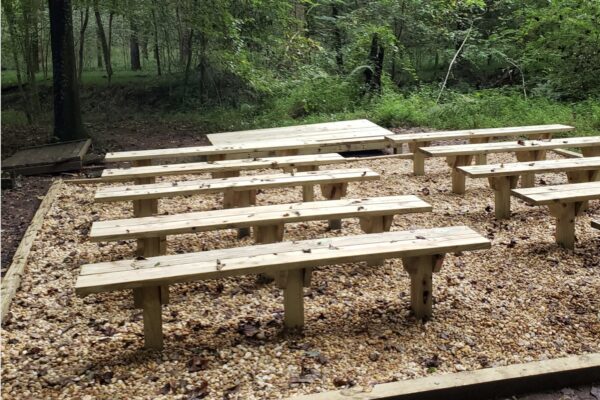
[(222, 169), (424, 139), (525, 150), (565, 203), (596, 224), (239, 191), (422, 252), (503, 177)]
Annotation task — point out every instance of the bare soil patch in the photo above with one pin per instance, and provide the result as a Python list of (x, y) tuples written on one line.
[(525, 299)]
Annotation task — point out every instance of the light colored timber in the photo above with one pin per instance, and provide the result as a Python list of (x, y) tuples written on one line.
[(567, 153), (482, 384), (12, 280), (243, 183), (507, 147), (308, 131), (129, 274), (291, 258), (543, 166), (195, 222), (596, 224), (573, 192), (528, 131), (360, 141), (222, 166), (565, 203)]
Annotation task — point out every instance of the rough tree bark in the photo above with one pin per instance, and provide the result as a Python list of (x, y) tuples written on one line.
[(67, 112), (373, 74), (156, 49)]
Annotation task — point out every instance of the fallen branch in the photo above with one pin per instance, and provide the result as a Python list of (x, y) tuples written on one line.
[(452, 63)]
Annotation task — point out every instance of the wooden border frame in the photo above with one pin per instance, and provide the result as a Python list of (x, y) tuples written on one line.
[(481, 384), (12, 279)]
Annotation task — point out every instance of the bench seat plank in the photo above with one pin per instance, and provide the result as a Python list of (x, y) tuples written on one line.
[(507, 147), (518, 168), (565, 202), (222, 166), (399, 138), (154, 271), (242, 183), (162, 225), (545, 195)]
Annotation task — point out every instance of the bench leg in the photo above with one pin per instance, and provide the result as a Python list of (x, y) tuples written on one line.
[(235, 199), (591, 151), (270, 234), (480, 159), (418, 157), (334, 191), (152, 247), (502, 186), (376, 224), (528, 180), (293, 299), (458, 178), (565, 224), (153, 337), (420, 270), (288, 152), (308, 191)]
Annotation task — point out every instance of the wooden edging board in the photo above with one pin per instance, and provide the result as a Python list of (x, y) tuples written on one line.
[(488, 383), (567, 153), (12, 279)]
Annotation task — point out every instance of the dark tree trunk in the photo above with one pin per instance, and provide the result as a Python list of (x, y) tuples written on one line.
[(188, 62), (134, 49), (337, 35), (99, 63), (373, 74), (103, 41), (67, 112), (156, 49), (85, 18)]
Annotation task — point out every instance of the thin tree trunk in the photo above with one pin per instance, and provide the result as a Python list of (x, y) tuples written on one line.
[(84, 23), (156, 49), (30, 8), (188, 63), (103, 41), (67, 112), (99, 63)]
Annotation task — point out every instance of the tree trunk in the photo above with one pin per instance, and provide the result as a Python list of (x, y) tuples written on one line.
[(337, 34), (373, 74), (188, 62), (156, 49), (30, 9), (67, 113), (85, 19), (98, 49), (134, 48), (103, 41)]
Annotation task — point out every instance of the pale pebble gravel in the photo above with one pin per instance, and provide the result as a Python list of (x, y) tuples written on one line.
[(523, 300)]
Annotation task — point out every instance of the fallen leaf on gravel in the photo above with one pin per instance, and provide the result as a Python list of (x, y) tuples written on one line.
[(197, 363)]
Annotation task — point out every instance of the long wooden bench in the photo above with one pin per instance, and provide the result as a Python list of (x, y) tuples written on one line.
[(503, 177), (565, 203), (239, 191), (422, 252), (424, 139), (525, 150), (222, 169)]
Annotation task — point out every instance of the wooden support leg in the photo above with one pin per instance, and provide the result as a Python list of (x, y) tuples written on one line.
[(458, 178), (565, 224), (502, 186), (288, 152), (418, 157), (376, 224), (153, 337), (420, 270), (235, 199), (308, 191), (152, 248), (293, 299), (334, 191), (591, 151), (271, 234), (528, 180), (225, 174), (480, 159)]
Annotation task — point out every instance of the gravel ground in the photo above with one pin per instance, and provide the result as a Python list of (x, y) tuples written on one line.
[(525, 299)]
